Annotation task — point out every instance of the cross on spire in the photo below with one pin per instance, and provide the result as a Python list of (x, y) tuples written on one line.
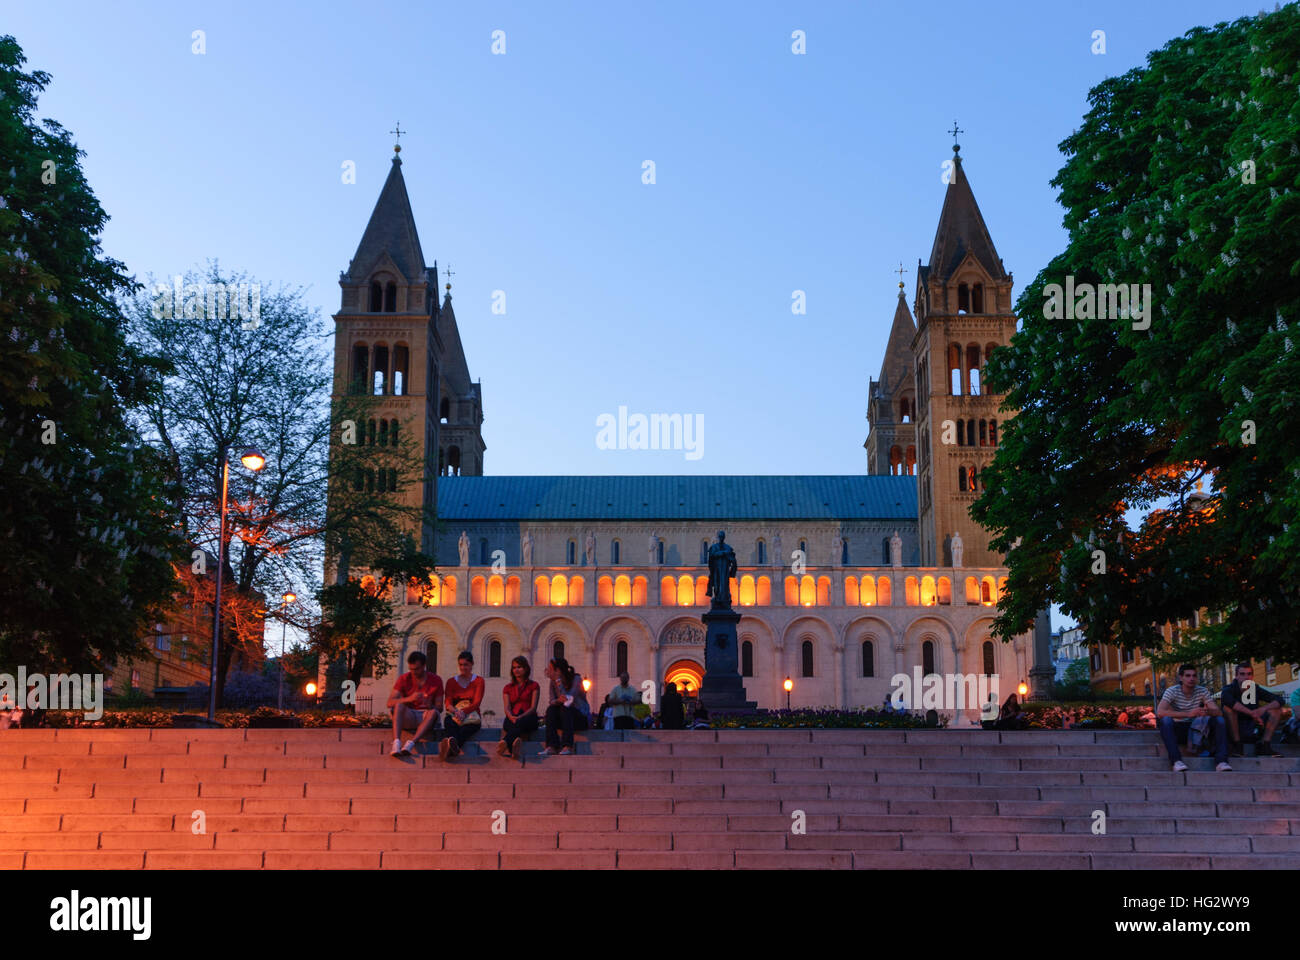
[(397, 132), (955, 130), (900, 271), (449, 273)]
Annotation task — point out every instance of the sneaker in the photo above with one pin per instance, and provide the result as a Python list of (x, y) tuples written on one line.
[(444, 746), (409, 748), (1223, 767), (397, 749), (503, 748), (567, 752), (547, 752), (1179, 766), (517, 749), (1266, 750)]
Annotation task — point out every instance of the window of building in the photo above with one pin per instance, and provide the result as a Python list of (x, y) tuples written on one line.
[(762, 552), (613, 551), (390, 298), (376, 298), (989, 667), (571, 553), (927, 658), (620, 658), (746, 659), (807, 658), (868, 658), (494, 658), (557, 650), (401, 363)]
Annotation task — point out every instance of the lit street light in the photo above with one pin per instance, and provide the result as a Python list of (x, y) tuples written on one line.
[(789, 685), (253, 460), (287, 599)]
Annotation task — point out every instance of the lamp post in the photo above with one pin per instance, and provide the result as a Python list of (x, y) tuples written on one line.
[(285, 600), (253, 460), (789, 685)]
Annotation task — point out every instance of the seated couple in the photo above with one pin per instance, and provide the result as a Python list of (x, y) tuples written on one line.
[(417, 704), (1187, 713), (566, 711)]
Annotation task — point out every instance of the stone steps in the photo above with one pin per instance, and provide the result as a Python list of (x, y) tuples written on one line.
[(930, 799)]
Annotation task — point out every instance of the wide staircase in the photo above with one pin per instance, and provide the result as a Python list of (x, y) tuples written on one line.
[(307, 799)]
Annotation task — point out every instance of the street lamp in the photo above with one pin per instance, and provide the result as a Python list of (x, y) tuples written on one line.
[(253, 460), (789, 685), (287, 599)]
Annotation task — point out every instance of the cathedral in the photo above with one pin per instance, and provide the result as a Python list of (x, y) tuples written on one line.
[(842, 581)]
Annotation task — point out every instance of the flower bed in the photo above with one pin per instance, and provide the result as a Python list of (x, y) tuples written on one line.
[(1045, 715)]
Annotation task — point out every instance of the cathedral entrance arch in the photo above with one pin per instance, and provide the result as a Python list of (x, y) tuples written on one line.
[(688, 674)]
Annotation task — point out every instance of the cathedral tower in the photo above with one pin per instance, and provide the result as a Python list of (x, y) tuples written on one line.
[(963, 310), (395, 345), (891, 402)]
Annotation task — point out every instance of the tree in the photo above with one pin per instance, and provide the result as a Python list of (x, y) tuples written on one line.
[(357, 614), (1076, 682), (1184, 178), (86, 517)]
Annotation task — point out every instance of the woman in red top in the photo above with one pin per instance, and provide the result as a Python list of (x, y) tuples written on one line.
[(521, 710), (464, 694)]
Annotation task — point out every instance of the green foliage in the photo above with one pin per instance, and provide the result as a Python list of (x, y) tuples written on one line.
[(86, 517), (1076, 682), (1110, 418)]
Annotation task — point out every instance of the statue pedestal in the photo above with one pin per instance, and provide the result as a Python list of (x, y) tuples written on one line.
[(723, 688)]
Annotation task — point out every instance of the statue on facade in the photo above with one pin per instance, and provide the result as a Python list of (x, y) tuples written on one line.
[(653, 549), (463, 545), (896, 550), (722, 567), (957, 549), (591, 549), (526, 548)]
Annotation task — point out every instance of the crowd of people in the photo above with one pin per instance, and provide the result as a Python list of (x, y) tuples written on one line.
[(1244, 713)]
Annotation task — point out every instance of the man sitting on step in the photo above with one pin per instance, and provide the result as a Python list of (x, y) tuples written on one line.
[(1184, 704), (1252, 712), (416, 701)]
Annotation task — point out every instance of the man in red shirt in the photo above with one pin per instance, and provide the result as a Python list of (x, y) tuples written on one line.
[(464, 696), (416, 701)]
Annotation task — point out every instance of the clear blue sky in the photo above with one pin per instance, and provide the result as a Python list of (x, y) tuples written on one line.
[(775, 173)]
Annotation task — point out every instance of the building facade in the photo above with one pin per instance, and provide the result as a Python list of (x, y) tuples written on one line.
[(843, 581)]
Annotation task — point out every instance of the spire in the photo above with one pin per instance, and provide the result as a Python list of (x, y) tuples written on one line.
[(961, 229), (901, 334), (391, 231)]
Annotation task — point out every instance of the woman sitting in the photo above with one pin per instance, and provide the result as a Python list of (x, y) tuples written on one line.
[(568, 709), (521, 710)]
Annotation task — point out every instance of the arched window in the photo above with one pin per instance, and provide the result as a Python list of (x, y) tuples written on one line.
[(961, 479), (977, 298), (867, 592), (807, 651), (613, 551), (791, 591), (360, 367), (494, 658), (970, 433), (704, 551), (639, 591), (844, 552), (993, 433), (912, 590), (371, 433), (620, 658), (746, 591), (884, 595), (477, 591), (762, 552), (963, 298), (972, 590), (988, 592), (973, 368), (496, 591), (764, 592), (807, 591), (945, 590), (376, 298), (383, 433), (605, 592), (884, 545), (961, 433), (571, 552), (392, 432), (746, 659), (444, 409), (453, 461), (927, 658), (850, 591), (401, 362), (390, 298), (868, 658), (803, 548), (895, 461), (823, 591), (970, 478), (483, 551), (668, 592), (622, 591), (431, 655), (512, 591), (380, 378), (927, 591), (984, 433), (557, 650), (989, 666), (576, 585), (954, 369), (910, 462)]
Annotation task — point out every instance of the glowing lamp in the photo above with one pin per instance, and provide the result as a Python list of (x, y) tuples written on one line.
[(789, 684), (586, 685), (1023, 689), (310, 689), (252, 459), (289, 598)]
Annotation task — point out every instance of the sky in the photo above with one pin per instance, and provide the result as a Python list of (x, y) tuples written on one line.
[(774, 172)]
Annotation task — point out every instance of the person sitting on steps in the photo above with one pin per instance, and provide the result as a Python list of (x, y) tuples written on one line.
[(1251, 712), (1181, 706), (568, 709), (416, 701), (464, 696), (521, 710)]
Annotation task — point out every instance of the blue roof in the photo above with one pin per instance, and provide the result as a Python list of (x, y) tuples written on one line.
[(677, 498)]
